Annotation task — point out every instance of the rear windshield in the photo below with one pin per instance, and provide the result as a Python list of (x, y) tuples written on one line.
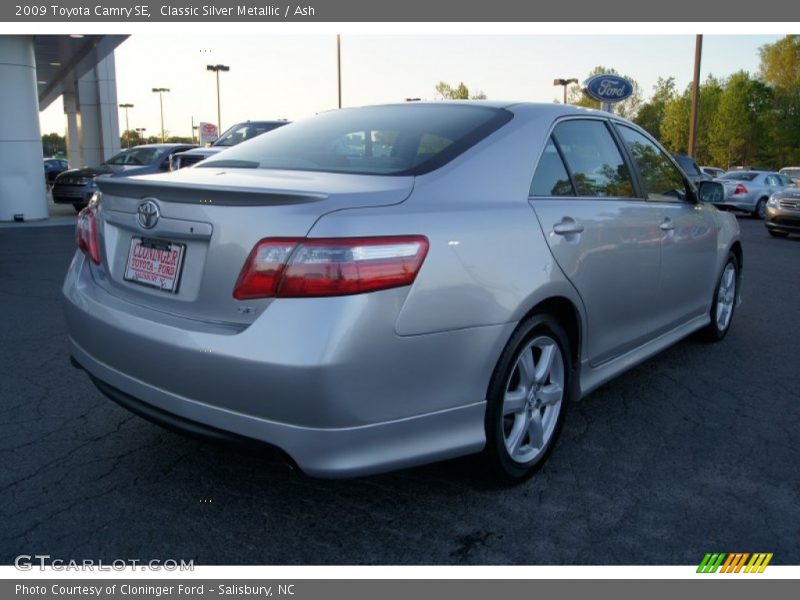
[(137, 156), (243, 132), (688, 165), (408, 139), (791, 172), (739, 176)]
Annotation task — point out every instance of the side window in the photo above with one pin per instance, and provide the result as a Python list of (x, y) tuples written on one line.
[(551, 178), (594, 160), (662, 179), (773, 180)]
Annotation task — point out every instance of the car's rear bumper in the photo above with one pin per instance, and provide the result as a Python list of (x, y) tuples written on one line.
[(340, 399)]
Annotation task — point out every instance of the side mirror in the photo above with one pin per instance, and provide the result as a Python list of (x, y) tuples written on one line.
[(710, 191)]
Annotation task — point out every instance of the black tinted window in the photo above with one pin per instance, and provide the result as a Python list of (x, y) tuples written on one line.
[(594, 160), (662, 179), (408, 139), (688, 165), (551, 178)]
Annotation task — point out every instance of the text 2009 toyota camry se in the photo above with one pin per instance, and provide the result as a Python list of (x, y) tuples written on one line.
[(379, 287)]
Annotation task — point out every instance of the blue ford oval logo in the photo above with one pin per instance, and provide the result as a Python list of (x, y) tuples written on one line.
[(608, 88)]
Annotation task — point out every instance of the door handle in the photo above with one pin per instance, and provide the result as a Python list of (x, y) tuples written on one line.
[(667, 225), (566, 226)]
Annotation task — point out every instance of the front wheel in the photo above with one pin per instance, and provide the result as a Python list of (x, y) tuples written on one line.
[(528, 398), (723, 303)]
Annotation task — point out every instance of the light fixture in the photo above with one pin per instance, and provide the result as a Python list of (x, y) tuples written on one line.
[(77, 36)]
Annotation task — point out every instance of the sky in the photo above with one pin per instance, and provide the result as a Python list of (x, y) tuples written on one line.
[(294, 76)]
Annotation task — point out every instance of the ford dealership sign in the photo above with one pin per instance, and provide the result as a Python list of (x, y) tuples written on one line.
[(608, 88)]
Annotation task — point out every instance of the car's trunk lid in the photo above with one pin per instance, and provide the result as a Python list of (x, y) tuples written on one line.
[(210, 219)]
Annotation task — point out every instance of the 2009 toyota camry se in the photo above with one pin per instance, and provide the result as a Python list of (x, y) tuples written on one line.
[(379, 287)]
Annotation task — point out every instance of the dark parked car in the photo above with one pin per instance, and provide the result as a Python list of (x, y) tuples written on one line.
[(53, 167), (76, 186), (691, 169), (237, 134)]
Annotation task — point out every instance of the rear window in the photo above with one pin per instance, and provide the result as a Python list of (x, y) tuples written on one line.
[(137, 156), (380, 140), (688, 165), (739, 176)]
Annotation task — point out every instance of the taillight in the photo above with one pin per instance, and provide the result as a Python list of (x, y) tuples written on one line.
[(303, 267), (86, 234), (740, 189)]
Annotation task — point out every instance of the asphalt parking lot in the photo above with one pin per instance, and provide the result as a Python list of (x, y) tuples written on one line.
[(696, 450)]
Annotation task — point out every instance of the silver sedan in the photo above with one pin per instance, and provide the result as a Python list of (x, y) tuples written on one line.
[(749, 191), (380, 287)]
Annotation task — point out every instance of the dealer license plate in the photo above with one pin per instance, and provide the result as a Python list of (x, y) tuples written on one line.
[(155, 263)]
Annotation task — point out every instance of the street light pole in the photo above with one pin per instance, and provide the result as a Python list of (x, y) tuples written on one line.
[(127, 127), (339, 67), (565, 83), (217, 69), (698, 51), (160, 92)]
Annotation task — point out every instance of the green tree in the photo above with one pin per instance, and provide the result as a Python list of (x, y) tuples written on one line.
[(129, 138), (627, 108), (460, 92), (651, 113), (780, 69), (780, 62), (674, 130), (738, 127), (54, 145)]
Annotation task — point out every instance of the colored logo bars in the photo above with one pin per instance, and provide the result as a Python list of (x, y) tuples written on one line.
[(735, 562)]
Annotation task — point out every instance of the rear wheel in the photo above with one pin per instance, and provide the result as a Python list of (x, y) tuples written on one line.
[(78, 207), (760, 211), (780, 234), (528, 398), (723, 303)]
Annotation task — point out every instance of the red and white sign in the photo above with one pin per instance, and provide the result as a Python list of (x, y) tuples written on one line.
[(156, 264), (208, 133)]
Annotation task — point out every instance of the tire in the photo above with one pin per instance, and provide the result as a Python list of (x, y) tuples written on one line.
[(760, 211), (538, 337), (778, 234), (723, 299), (78, 207)]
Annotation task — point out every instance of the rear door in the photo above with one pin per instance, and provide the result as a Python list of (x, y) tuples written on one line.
[(605, 239), (688, 232)]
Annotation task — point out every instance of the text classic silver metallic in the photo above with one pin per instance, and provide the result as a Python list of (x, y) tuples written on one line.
[(380, 287)]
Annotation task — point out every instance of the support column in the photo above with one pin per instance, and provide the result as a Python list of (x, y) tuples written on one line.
[(22, 187), (97, 105), (73, 129)]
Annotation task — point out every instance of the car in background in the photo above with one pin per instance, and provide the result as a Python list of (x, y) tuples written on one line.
[(444, 284), (749, 191), (713, 172), (76, 186), (783, 212), (241, 132), (689, 166), (792, 173), (53, 167)]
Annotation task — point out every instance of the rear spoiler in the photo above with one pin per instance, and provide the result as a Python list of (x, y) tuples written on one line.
[(205, 194)]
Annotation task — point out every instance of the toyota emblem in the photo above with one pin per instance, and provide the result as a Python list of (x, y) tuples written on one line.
[(147, 214)]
